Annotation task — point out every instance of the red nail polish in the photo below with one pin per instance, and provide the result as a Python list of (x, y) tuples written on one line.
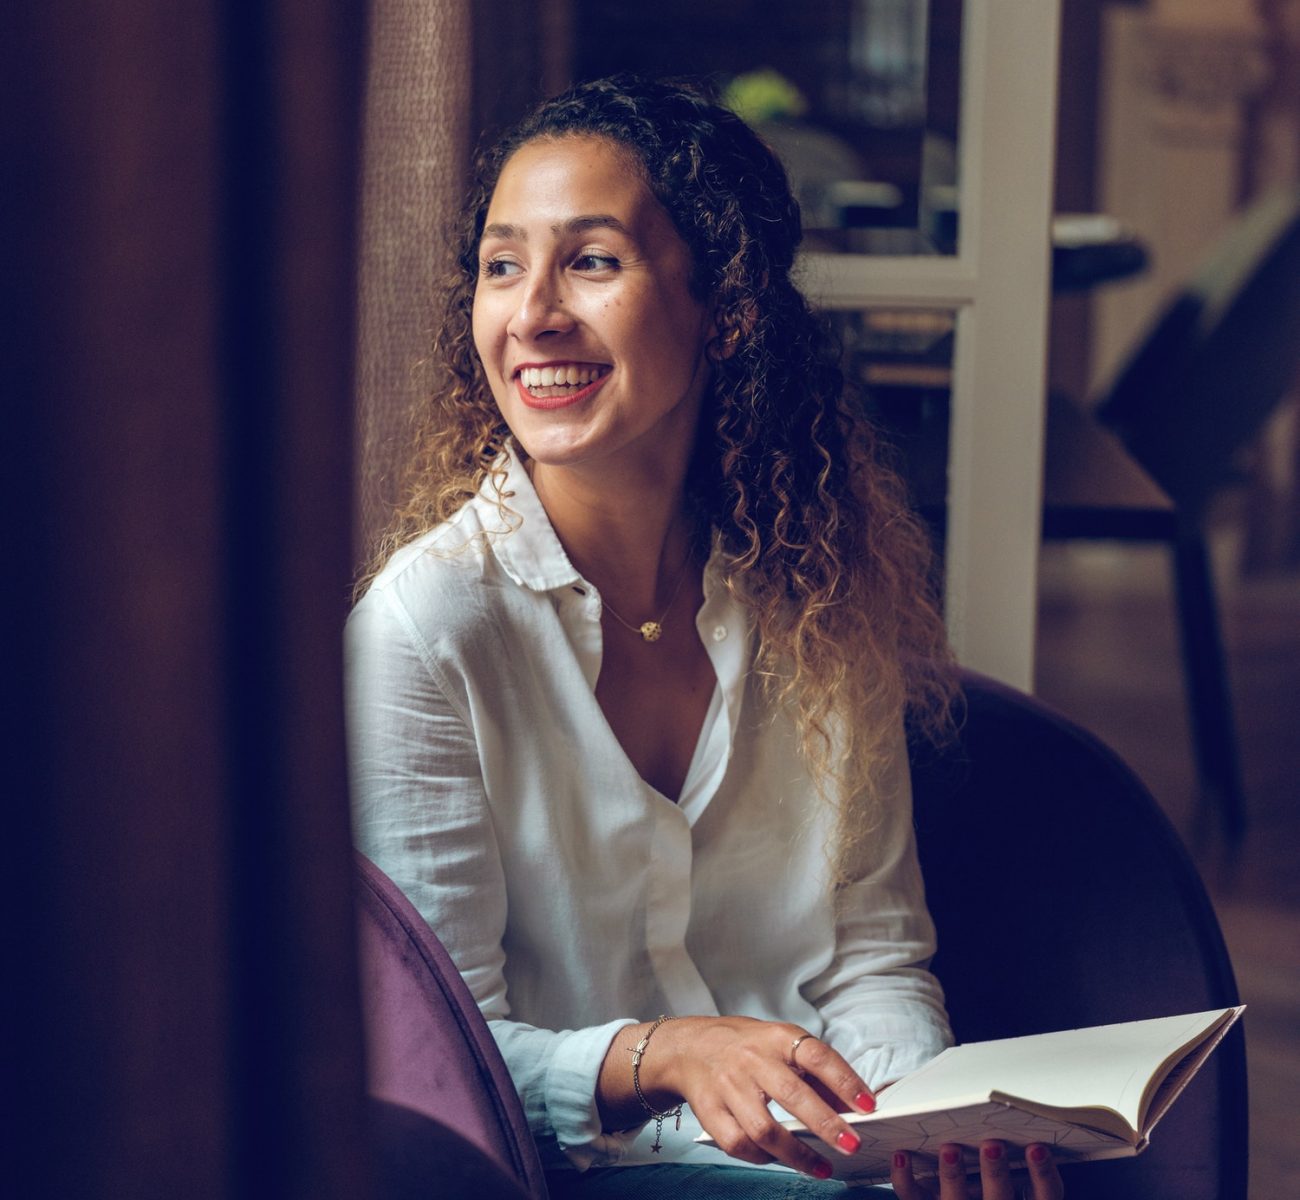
[(1037, 1154), (993, 1152), (848, 1141), (865, 1101), (949, 1155), (900, 1160), (822, 1171)]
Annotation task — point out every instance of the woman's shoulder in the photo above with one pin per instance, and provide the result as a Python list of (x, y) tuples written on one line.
[(436, 582), (450, 548)]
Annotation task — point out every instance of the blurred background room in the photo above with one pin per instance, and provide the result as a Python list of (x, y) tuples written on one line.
[(1060, 243)]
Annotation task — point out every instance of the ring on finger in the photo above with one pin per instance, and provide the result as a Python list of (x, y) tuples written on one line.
[(794, 1046)]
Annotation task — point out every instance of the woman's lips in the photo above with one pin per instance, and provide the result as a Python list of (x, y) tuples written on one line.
[(550, 403)]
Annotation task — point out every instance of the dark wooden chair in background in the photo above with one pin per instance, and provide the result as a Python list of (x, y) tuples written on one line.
[(1145, 462)]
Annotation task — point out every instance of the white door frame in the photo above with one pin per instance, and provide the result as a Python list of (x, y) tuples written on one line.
[(998, 284)]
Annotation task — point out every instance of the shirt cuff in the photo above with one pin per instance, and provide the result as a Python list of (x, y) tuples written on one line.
[(570, 1092), (889, 1062)]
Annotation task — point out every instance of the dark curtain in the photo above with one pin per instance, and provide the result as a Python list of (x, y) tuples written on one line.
[(417, 146), (177, 314)]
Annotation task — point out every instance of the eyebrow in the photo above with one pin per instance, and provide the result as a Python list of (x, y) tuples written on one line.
[(581, 224)]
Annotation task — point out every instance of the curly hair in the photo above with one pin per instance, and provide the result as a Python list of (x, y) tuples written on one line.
[(817, 539)]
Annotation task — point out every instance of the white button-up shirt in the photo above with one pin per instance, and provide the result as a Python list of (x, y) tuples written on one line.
[(574, 897)]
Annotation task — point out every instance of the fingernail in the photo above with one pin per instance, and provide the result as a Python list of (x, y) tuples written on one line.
[(1037, 1154), (865, 1101), (949, 1155), (848, 1141), (822, 1170), (993, 1152), (900, 1159)]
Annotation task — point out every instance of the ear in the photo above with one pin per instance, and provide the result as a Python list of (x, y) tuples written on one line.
[(723, 346), (730, 329)]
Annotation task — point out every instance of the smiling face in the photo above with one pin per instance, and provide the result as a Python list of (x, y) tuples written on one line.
[(590, 338)]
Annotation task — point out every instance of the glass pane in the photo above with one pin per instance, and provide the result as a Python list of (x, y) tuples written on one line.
[(900, 361), (858, 97)]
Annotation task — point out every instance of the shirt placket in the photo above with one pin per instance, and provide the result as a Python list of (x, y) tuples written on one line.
[(722, 628), (668, 913), (578, 607)]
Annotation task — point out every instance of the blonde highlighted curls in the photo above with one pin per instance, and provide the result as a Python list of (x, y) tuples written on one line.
[(817, 540)]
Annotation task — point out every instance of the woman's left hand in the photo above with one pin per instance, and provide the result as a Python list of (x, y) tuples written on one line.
[(996, 1182)]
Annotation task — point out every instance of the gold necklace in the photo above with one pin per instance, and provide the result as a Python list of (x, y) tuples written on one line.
[(651, 631)]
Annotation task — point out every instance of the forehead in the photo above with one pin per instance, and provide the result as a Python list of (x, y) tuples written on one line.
[(554, 179)]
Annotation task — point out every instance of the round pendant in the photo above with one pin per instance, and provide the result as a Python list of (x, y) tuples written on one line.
[(651, 631)]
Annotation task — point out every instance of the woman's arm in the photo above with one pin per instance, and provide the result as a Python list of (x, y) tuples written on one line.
[(421, 814), (727, 1069), (883, 1008)]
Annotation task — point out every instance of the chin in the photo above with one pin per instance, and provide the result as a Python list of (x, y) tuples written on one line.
[(555, 447)]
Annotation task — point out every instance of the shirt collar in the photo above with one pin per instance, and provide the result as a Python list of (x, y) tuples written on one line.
[(528, 549)]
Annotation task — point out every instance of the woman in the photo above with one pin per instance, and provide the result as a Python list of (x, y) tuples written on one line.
[(672, 857)]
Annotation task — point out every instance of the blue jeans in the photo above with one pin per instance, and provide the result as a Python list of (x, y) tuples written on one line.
[(668, 1181)]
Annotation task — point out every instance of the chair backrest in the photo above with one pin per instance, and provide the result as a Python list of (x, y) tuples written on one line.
[(428, 1048), (1222, 356), (415, 1157), (1063, 898)]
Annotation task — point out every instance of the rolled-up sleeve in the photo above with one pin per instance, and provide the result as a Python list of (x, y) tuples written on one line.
[(421, 814)]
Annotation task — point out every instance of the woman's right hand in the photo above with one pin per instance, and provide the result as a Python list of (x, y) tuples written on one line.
[(728, 1068), (996, 1181)]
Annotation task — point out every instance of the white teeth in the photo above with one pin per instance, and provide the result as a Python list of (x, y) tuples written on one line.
[(564, 376)]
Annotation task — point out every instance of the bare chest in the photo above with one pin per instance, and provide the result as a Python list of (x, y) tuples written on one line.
[(655, 698)]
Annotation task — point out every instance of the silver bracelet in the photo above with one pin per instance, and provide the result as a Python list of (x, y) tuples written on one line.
[(637, 1052)]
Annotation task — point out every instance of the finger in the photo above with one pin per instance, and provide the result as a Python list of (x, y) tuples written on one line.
[(1044, 1178), (769, 1135), (817, 1060), (799, 1099), (995, 1172), (719, 1124), (903, 1181), (952, 1173)]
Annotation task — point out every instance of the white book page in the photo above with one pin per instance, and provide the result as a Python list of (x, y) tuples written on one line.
[(1104, 1067)]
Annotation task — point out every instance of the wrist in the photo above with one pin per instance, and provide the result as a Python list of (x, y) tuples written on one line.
[(655, 1109), (651, 1052)]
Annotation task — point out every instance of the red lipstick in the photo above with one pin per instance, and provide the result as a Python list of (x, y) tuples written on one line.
[(550, 403)]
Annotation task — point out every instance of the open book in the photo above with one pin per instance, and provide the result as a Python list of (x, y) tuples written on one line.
[(1088, 1093)]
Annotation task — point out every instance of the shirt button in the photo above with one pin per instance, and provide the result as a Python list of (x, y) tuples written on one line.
[(719, 633)]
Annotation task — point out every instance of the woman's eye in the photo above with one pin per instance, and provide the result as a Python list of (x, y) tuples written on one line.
[(595, 262), (497, 268)]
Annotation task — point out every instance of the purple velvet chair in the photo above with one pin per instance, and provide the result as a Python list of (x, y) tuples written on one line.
[(445, 1119), (1064, 898)]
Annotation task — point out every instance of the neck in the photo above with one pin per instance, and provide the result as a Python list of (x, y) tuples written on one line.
[(631, 539)]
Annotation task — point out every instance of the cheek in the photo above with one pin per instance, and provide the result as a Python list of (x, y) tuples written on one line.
[(481, 329)]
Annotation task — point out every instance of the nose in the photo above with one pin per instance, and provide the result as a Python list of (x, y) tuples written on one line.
[(541, 309)]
